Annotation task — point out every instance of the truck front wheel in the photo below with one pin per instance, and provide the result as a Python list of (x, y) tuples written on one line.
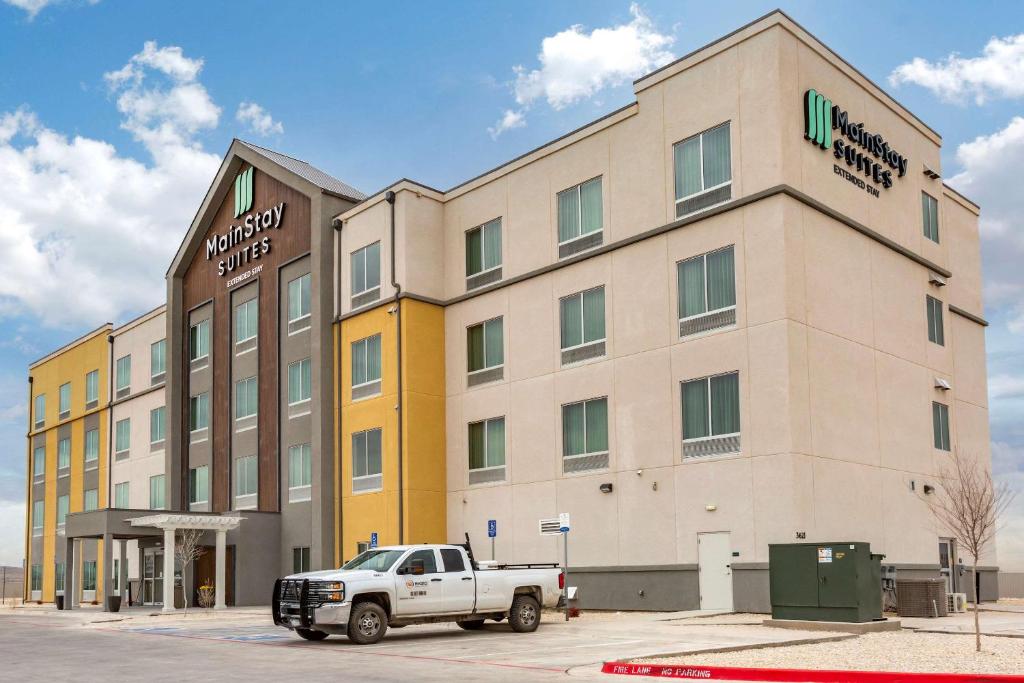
[(367, 623), (524, 617)]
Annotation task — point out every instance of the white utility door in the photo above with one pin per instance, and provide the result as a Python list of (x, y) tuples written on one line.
[(714, 561)]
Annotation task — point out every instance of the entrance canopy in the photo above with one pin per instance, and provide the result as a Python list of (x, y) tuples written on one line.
[(174, 521)]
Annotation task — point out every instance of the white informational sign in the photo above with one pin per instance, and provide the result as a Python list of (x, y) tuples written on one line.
[(824, 555)]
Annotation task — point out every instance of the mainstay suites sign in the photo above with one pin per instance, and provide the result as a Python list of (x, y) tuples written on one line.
[(249, 241), (867, 154)]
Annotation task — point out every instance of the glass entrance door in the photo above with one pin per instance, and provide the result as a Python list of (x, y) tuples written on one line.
[(946, 564), (153, 577)]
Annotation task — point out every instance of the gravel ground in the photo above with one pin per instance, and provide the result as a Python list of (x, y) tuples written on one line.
[(904, 651)]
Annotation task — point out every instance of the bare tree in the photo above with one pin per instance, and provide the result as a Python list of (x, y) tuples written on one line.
[(970, 505), (186, 551)]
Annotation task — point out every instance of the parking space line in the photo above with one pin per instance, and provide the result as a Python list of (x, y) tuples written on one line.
[(553, 648)]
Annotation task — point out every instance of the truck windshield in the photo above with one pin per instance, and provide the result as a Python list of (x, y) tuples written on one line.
[(374, 560)]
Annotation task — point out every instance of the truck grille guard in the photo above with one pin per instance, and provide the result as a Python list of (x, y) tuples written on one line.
[(287, 590)]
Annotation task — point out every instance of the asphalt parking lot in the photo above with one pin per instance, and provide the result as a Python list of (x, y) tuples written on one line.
[(248, 647)]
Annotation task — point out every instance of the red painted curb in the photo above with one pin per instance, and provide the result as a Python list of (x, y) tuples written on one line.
[(734, 673)]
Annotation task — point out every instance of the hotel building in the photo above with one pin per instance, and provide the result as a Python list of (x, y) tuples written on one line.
[(743, 309)]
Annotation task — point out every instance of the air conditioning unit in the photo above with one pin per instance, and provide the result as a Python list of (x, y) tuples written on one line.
[(957, 602)]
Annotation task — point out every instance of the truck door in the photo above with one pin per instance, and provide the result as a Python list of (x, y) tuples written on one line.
[(457, 581), (418, 584)]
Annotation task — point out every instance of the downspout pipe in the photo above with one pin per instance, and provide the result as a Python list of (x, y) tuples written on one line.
[(26, 564), (339, 548), (110, 425), (389, 197)]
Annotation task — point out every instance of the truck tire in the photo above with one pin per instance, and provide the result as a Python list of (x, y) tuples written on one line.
[(367, 623), (524, 617), (310, 634), (471, 625)]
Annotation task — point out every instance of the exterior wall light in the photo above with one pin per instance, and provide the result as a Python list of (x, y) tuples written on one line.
[(606, 488), (710, 507)]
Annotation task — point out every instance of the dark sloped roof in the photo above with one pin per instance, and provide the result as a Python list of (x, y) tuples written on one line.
[(307, 172)]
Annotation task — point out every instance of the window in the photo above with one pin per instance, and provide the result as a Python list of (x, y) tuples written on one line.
[(246, 317), (64, 454), (582, 325), (92, 387), (92, 499), (246, 478), (298, 297), (706, 291), (421, 558), (39, 410), (366, 361), (485, 345), (39, 462), (299, 381), (64, 397), (452, 560), (156, 492), (117, 574), (711, 415), (300, 472), (940, 425), (245, 398), (366, 460), (63, 507), (89, 575), (483, 248), (300, 560), (157, 358), (37, 517), (124, 373), (930, 216), (580, 211), (92, 447), (37, 577), (199, 340), (199, 485), (366, 269), (585, 428), (487, 444), (935, 331), (58, 577), (122, 435), (157, 424), (198, 412), (121, 498), (703, 170)]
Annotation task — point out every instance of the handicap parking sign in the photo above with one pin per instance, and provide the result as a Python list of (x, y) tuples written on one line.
[(492, 528), (373, 539)]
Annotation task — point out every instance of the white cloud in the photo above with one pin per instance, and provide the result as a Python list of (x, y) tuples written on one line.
[(991, 168), (575, 65), (258, 120), (998, 72), (86, 233), (1005, 386), (511, 119), (12, 533), (34, 7)]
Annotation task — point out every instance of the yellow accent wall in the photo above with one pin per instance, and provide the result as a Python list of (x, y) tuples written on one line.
[(423, 431), (68, 365)]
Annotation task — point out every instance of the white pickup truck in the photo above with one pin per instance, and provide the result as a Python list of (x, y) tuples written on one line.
[(413, 584)]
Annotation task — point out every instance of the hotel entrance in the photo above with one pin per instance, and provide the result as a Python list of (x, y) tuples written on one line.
[(153, 576)]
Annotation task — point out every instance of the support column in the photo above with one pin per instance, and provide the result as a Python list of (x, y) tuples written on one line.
[(122, 573), (108, 565), (69, 572), (220, 589), (168, 570), (76, 571), (142, 572)]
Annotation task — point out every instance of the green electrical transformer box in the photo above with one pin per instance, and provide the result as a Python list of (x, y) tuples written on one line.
[(825, 581)]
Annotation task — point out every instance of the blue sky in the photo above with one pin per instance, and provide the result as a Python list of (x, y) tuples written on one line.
[(114, 115)]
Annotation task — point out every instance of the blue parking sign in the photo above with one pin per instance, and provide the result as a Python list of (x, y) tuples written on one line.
[(373, 539), (492, 528)]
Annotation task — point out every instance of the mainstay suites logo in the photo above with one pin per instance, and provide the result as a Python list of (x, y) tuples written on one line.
[(246, 241), (869, 153)]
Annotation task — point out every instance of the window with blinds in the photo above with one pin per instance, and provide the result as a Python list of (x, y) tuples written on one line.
[(711, 415), (366, 370), (936, 335), (246, 398), (246, 482), (581, 319), (585, 435), (366, 461), (483, 254), (199, 488), (485, 351), (706, 287), (487, 451), (940, 426), (156, 492), (300, 473), (930, 216), (157, 361), (580, 217), (703, 170), (365, 275)]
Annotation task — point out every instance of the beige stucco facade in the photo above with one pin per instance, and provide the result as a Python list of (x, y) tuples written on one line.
[(837, 375)]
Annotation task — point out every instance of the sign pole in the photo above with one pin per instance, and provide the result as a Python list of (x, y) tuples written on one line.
[(565, 590), (492, 548)]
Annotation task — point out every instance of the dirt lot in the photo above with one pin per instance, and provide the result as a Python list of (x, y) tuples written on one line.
[(892, 651)]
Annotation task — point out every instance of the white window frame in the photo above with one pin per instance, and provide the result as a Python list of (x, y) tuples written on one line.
[(487, 444), (707, 388), (85, 500), (364, 341), (94, 461), (203, 399), (578, 187), (486, 367), (707, 310), (302, 492), (206, 500), (302, 315), (483, 247), (127, 360), (366, 455), (162, 344), (64, 468), (163, 492), (705, 190), (62, 412), (124, 486), (248, 500), (62, 523), (92, 378), (586, 454), (163, 424), (362, 250), (117, 430), (38, 517), (583, 316), (202, 326), (39, 410), (38, 476), (299, 363), (253, 302), (255, 409)]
